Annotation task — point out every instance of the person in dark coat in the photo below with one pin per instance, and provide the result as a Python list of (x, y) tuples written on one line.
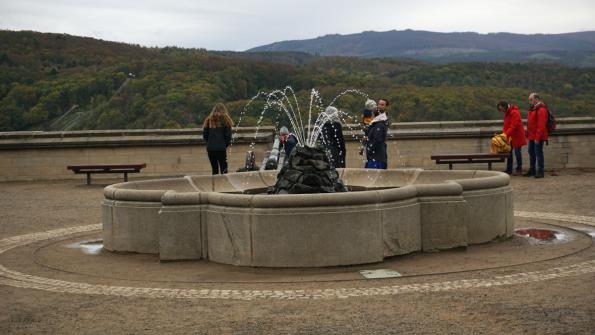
[(332, 137), (376, 154), (382, 106), (287, 141), (217, 134)]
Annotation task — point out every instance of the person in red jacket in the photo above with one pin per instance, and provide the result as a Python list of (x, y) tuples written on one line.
[(514, 129), (537, 133)]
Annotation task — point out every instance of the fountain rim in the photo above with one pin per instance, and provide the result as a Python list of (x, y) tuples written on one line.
[(449, 187)]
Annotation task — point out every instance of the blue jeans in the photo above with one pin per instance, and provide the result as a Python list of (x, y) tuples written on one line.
[(536, 153), (519, 159)]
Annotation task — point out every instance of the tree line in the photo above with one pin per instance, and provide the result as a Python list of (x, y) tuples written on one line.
[(57, 82)]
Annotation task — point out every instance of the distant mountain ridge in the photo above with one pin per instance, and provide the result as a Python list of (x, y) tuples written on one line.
[(576, 48)]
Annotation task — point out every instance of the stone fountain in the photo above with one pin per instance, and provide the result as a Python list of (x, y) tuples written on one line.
[(231, 219)]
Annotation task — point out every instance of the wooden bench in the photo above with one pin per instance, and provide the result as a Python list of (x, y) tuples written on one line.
[(106, 168), (451, 159)]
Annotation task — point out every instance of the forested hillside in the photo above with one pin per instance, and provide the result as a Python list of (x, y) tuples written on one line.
[(56, 81)]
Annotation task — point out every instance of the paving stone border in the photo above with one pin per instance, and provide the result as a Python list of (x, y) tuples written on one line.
[(587, 220), (21, 280)]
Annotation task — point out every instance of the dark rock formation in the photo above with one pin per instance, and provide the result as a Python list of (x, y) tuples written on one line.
[(307, 171)]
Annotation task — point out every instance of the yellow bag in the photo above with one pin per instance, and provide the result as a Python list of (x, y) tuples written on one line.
[(500, 144)]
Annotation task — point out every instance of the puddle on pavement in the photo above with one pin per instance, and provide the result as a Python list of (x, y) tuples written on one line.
[(542, 236), (379, 273), (87, 247)]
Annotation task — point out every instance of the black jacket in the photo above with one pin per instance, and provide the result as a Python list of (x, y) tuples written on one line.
[(334, 143), (376, 144), (218, 139), (288, 145)]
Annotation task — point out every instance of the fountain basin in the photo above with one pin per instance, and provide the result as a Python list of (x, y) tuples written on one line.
[(394, 212)]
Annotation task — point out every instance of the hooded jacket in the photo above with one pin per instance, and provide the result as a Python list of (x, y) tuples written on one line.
[(537, 122), (513, 127)]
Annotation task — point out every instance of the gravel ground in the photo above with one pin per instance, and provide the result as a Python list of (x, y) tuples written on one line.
[(555, 306)]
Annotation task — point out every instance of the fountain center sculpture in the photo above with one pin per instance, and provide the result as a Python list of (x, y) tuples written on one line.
[(308, 171)]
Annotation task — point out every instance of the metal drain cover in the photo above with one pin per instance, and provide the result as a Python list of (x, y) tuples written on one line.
[(379, 273)]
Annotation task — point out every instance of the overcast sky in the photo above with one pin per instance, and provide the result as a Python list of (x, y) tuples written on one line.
[(239, 25)]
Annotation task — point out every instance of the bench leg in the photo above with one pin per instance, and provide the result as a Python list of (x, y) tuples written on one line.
[(125, 176), (490, 166), (450, 166), (88, 178)]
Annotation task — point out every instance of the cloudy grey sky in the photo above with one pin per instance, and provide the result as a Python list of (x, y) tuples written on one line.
[(239, 25)]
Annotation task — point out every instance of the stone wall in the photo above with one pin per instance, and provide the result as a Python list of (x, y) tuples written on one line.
[(412, 144), (45, 155)]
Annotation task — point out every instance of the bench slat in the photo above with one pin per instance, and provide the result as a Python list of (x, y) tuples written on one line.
[(106, 168), (468, 156), (476, 158), (106, 171)]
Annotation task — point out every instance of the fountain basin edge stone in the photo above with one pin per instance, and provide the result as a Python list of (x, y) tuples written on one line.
[(402, 211)]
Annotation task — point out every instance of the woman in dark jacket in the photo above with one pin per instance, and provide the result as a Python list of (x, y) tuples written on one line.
[(376, 144), (217, 134), (332, 137)]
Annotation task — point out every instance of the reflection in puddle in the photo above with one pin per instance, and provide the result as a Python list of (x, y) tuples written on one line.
[(87, 247), (562, 237), (540, 236)]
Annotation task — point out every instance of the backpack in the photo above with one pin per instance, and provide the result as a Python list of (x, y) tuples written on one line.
[(551, 121), (500, 144)]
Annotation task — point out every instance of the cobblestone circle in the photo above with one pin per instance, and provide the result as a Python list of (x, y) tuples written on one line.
[(22, 280)]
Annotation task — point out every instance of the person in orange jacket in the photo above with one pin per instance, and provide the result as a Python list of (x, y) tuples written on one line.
[(537, 133), (513, 129)]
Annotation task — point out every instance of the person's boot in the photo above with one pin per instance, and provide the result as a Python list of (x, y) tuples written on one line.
[(518, 171), (530, 173), (507, 171), (539, 174)]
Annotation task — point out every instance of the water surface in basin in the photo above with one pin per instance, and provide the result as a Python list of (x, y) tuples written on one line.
[(264, 190)]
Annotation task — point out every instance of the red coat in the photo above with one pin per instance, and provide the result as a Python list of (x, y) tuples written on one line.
[(513, 126), (537, 122)]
